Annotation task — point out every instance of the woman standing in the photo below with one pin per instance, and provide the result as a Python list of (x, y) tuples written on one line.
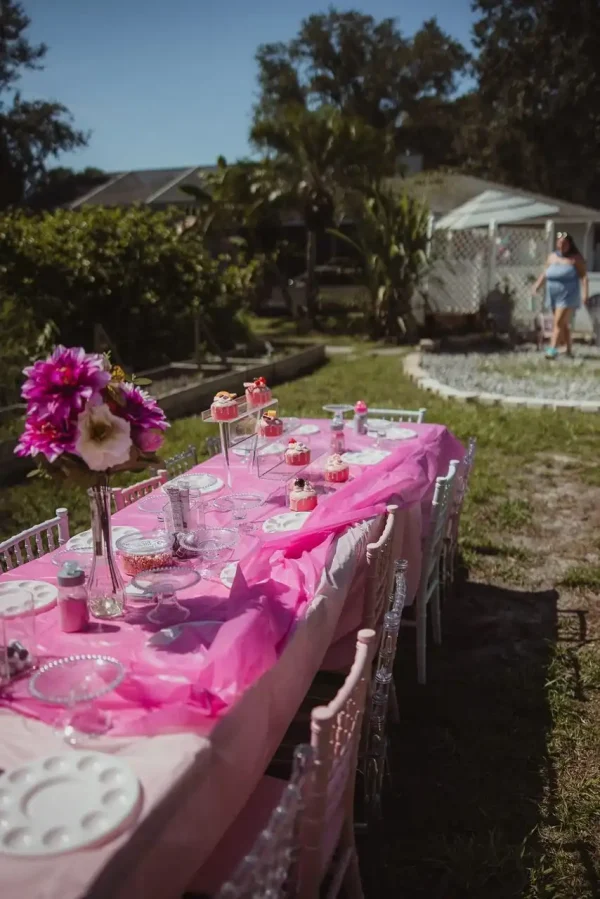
[(566, 283)]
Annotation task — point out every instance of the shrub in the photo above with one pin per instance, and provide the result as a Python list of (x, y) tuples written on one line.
[(128, 270)]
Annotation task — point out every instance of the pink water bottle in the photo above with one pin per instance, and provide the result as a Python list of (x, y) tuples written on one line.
[(361, 412), (72, 599)]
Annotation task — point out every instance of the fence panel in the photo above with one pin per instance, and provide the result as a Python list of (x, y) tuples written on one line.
[(458, 277), (521, 254), (468, 264)]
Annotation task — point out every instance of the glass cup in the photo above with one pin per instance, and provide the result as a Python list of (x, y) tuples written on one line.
[(239, 504), (18, 646)]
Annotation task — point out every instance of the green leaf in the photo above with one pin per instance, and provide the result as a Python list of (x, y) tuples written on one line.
[(141, 382)]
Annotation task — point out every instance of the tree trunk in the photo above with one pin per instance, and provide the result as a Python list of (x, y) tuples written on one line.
[(311, 276)]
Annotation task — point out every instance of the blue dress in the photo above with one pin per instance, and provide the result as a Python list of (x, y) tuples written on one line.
[(562, 286)]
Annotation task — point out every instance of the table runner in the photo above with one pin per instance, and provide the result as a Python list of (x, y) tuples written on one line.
[(276, 577)]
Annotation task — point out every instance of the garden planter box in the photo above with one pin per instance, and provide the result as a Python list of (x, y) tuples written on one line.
[(195, 398)]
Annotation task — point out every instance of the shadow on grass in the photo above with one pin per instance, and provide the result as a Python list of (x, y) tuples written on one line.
[(469, 755)]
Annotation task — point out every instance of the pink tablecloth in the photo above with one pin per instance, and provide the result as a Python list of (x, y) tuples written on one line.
[(273, 640), (177, 689)]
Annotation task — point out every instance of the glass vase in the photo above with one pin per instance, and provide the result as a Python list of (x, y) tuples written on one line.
[(106, 589)]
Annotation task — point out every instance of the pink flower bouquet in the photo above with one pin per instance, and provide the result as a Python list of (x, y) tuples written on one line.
[(85, 420)]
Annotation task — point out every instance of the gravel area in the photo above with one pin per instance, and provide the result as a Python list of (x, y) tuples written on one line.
[(520, 372)]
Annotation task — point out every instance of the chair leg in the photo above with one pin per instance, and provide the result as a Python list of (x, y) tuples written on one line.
[(436, 616), (421, 640), (394, 710)]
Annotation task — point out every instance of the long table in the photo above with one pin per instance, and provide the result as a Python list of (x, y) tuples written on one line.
[(200, 728)]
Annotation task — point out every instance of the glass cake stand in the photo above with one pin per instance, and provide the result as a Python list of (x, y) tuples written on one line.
[(338, 410), (209, 546), (76, 682), (162, 584)]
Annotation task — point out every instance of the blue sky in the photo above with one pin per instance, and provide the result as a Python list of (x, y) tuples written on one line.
[(163, 84)]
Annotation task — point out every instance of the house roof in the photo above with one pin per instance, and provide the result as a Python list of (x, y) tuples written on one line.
[(449, 192), (154, 187)]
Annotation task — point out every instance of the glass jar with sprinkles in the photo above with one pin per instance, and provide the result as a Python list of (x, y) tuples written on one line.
[(140, 553)]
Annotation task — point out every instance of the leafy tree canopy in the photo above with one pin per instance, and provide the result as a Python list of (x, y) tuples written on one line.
[(366, 69), (535, 117), (31, 131)]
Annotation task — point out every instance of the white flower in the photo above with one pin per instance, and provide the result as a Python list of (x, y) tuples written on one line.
[(103, 439)]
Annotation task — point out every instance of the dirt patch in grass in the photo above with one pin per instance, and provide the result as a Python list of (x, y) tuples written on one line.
[(496, 763)]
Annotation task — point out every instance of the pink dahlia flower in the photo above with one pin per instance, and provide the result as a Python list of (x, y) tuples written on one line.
[(141, 410), (50, 436), (148, 441), (61, 386)]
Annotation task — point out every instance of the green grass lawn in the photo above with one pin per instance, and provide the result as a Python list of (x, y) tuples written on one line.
[(496, 763)]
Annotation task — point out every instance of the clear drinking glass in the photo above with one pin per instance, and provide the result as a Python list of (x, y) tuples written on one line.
[(378, 427), (239, 504), (75, 682), (18, 646)]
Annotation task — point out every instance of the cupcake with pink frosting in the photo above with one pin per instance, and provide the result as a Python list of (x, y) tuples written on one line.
[(257, 392), (302, 496), (336, 470), (224, 406), (297, 453), (269, 425)]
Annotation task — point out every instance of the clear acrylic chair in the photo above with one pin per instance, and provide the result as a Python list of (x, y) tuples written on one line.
[(428, 591), (182, 462), (414, 415), (35, 541), (270, 869), (382, 705), (328, 846), (125, 496), (380, 573), (323, 835), (213, 446), (461, 487)]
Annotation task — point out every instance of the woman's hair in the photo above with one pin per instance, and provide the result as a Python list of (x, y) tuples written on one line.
[(573, 249)]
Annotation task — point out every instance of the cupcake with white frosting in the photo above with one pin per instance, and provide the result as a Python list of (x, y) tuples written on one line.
[(302, 496), (297, 453), (257, 392), (269, 425), (224, 406), (336, 470)]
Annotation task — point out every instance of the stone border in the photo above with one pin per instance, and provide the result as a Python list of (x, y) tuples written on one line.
[(413, 370)]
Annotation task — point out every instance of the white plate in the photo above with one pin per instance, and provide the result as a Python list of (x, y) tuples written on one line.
[(365, 457), (374, 423), (285, 521), (203, 483), (228, 573), (64, 801), (271, 449), (306, 429), (44, 596), (168, 635), (400, 434), (85, 541)]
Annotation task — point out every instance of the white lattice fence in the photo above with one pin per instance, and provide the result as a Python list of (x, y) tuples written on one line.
[(520, 256), (458, 277), (468, 264)]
